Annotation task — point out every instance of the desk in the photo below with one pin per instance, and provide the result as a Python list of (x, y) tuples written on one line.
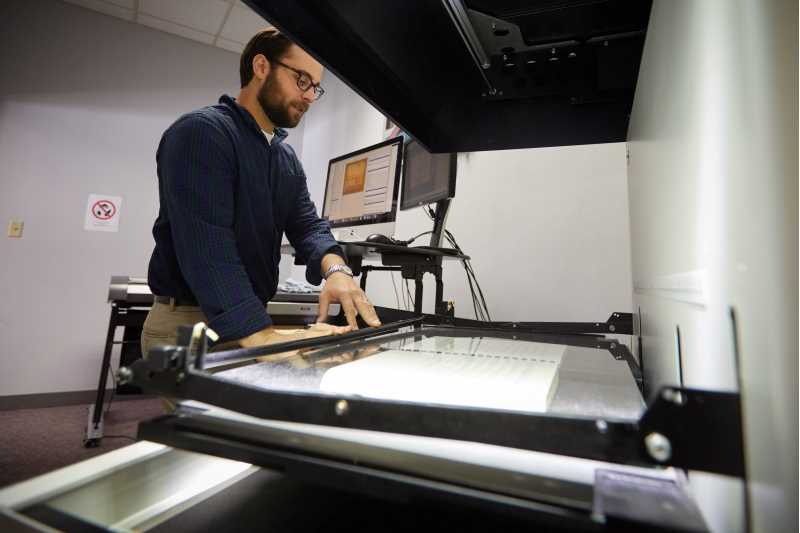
[(413, 262)]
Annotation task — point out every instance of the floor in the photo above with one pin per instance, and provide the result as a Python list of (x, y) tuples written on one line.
[(37, 441)]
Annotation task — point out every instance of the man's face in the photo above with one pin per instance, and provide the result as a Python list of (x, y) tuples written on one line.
[(280, 97)]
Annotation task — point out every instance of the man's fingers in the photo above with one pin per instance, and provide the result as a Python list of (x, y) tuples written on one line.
[(349, 310), (324, 302), (366, 310), (328, 329)]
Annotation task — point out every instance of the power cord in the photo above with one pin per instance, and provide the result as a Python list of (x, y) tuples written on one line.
[(394, 286), (479, 306), (113, 391), (412, 239), (410, 298)]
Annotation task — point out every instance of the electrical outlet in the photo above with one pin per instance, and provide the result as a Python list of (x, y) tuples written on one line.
[(15, 228)]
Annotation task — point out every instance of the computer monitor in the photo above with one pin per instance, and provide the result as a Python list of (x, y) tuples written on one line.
[(361, 191), (427, 177)]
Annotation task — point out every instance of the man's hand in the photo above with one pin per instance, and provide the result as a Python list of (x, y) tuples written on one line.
[(341, 288), (271, 335)]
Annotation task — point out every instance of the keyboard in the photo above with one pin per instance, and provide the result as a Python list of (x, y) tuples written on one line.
[(302, 297)]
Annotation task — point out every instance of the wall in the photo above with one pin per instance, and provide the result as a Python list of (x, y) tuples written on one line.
[(84, 99), (339, 123), (713, 188), (547, 229)]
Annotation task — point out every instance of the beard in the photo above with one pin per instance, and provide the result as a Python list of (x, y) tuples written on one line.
[(278, 111)]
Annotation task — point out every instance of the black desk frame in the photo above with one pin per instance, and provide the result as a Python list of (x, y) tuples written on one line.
[(412, 263)]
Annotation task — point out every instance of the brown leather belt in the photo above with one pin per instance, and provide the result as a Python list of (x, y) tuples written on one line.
[(177, 301)]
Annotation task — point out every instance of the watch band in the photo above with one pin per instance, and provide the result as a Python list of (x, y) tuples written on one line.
[(338, 268)]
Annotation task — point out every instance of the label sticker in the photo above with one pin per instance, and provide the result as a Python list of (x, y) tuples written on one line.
[(102, 213)]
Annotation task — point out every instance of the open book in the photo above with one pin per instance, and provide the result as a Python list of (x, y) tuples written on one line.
[(466, 371)]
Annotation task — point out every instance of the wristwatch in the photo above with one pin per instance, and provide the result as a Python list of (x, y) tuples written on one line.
[(338, 268)]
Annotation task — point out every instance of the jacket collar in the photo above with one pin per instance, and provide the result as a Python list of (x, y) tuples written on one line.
[(280, 133)]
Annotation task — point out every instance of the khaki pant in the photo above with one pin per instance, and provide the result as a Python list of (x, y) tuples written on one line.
[(161, 326)]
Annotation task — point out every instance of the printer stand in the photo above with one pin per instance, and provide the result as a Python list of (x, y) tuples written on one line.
[(131, 319)]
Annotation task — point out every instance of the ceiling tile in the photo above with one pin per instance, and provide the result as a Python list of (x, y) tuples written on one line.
[(242, 24), (105, 7), (176, 29), (232, 46), (202, 15)]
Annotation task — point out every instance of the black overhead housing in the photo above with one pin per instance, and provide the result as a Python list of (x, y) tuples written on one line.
[(470, 75)]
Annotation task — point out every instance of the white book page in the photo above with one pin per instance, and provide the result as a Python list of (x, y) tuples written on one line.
[(471, 372)]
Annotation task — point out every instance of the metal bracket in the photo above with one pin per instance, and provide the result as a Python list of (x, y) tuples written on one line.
[(618, 323), (463, 24), (696, 430), (190, 356)]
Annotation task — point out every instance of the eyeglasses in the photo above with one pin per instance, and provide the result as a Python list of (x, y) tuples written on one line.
[(304, 82)]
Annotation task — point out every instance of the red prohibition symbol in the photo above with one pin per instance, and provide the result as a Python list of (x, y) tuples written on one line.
[(104, 209)]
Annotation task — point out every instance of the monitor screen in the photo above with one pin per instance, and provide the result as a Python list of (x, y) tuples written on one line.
[(427, 177), (362, 186)]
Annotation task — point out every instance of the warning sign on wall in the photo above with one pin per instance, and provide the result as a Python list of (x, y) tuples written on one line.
[(102, 213)]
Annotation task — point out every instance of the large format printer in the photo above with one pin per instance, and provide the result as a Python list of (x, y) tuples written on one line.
[(619, 441)]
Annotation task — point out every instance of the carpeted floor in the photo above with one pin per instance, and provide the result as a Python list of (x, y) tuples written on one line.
[(37, 441)]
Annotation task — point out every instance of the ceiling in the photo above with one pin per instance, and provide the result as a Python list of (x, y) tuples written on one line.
[(227, 24)]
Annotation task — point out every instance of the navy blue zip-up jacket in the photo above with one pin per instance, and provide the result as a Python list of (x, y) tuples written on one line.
[(227, 196)]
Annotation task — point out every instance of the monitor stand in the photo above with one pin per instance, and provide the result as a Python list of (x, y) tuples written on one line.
[(439, 221)]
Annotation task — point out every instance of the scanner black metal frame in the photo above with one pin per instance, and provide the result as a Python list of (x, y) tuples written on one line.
[(589, 334), (682, 427)]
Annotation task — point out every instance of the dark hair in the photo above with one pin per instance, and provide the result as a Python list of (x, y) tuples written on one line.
[(271, 43)]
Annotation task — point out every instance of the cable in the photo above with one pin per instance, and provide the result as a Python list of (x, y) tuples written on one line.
[(484, 310), (479, 306), (394, 286), (410, 298), (412, 239), (113, 391)]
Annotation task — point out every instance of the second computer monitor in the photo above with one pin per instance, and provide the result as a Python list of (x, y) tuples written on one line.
[(361, 191), (427, 177)]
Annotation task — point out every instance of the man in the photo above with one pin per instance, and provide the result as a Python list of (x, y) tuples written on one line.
[(229, 188)]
